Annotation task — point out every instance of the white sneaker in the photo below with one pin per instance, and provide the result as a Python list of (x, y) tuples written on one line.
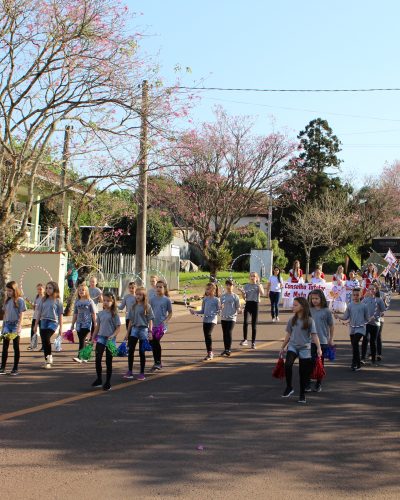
[(244, 342), (50, 358), (253, 345), (273, 320), (277, 318), (209, 356), (77, 360)]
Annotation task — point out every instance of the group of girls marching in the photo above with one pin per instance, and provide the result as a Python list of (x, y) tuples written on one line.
[(144, 312)]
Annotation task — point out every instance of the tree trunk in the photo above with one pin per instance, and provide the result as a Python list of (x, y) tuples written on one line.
[(308, 258), (5, 273)]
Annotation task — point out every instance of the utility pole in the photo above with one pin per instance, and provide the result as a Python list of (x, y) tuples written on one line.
[(60, 243), (269, 234), (141, 233)]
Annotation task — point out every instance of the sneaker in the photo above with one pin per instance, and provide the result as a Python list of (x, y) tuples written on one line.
[(29, 348), (141, 377), (318, 387), (302, 399), (273, 320), (277, 318), (158, 366), (128, 375), (14, 372), (308, 388), (2, 371), (50, 358), (244, 342), (77, 360), (97, 383), (379, 358), (209, 356), (363, 362), (107, 386), (224, 353), (253, 345), (288, 392), (47, 366), (355, 368), (227, 353)]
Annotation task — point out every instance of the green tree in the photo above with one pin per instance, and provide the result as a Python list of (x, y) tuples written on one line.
[(279, 256), (242, 240)]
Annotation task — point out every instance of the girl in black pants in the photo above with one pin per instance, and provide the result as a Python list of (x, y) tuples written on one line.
[(162, 310), (209, 309), (84, 316), (230, 307), (251, 294)]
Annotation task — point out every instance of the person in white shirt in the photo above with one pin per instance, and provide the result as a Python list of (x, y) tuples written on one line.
[(274, 288), (317, 279)]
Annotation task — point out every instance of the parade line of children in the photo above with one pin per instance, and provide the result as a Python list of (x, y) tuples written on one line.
[(309, 333)]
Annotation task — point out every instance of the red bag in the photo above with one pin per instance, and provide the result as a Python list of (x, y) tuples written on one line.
[(279, 370), (319, 370)]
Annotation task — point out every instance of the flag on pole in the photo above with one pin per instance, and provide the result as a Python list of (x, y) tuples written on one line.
[(390, 257)]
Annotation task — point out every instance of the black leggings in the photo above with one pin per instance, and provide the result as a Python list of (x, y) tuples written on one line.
[(207, 330), (82, 334), (132, 341), (370, 336), (251, 308), (45, 335), (100, 348), (33, 327), (305, 369), (379, 340), (4, 356), (227, 329), (274, 298), (355, 341), (156, 346)]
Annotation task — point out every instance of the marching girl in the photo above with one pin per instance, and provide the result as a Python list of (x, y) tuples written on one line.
[(357, 314), (324, 325), (162, 310), (351, 282), (376, 307), (230, 307), (107, 328), (84, 316), (14, 307), (36, 304), (140, 326), (153, 287), (50, 317), (317, 278), (128, 302), (339, 277), (274, 288), (299, 332), (209, 309), (252, 292)]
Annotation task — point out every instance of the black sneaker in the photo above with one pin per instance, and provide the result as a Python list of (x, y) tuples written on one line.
[(318, 387), (97, 383), (379, 358), (302, 399), (228, 353), (14, 372), (107, 386), (363, 362), (223, 353), (308, 388), (288, 392), (355, 368)]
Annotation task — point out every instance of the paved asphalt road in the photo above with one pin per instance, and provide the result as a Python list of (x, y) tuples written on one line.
[(62, 440)]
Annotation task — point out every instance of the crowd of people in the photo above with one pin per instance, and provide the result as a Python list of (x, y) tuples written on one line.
[(309, 332)]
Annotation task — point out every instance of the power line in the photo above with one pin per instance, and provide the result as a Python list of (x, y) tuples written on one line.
[(225, 89)]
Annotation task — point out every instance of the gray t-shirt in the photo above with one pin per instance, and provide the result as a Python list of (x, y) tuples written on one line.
[(357, 313), (51, 309), (36, 307), (252, 292), (12, 311), (161, 306), (95, 294), (209, 308), (230, 304), (323, 320), (84, 309), (107, 323), (376, 307), (152, 292), (140, 318), (300, 337), (128, 301)]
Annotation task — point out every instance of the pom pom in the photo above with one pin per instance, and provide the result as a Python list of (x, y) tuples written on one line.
[(58, 343), (279, 369), (330, 353), (34, 341), (11, 336), (69, 336), (86, 353), (146, 346), (158, 331), (122, 350), (112, 347), (319, 370)]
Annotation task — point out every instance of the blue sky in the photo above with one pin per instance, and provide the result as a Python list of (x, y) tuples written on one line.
[(288, 44)]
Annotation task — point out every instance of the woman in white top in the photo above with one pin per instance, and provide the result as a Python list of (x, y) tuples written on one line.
[(274, 287), (339, 276), (317, 278)]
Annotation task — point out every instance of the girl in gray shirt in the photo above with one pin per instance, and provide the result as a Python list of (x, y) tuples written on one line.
[(107, 328), (209, 309), (128, 302), (376, 308), (299, 332), (252, 293), (230, 307), (162, 309), (14, 307)]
